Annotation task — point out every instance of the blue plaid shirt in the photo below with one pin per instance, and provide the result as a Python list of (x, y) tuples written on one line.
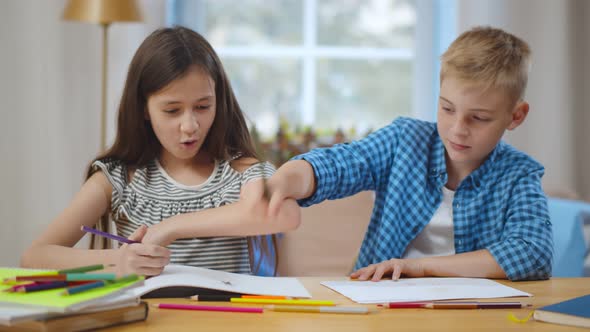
[(500, 206)]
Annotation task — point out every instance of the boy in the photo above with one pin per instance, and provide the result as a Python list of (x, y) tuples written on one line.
[(451, 198)]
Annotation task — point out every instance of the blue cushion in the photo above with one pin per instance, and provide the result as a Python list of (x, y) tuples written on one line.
[(568, 236)]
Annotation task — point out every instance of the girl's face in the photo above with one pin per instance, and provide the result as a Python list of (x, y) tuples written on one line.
[(182, 113)]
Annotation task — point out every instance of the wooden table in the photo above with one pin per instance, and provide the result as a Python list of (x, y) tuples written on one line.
[(545, 292)]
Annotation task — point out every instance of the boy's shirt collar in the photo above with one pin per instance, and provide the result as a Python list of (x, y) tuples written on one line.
[(438, 168)]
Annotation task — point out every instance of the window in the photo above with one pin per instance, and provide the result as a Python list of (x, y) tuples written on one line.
[(353, 65)]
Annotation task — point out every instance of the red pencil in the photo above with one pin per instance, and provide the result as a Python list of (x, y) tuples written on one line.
[(208, 308)]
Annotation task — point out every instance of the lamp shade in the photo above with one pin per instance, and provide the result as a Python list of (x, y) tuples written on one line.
[(102, 11)]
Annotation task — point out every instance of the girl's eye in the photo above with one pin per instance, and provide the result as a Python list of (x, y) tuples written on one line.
[(446, 109), (171, 111), (203, 107)]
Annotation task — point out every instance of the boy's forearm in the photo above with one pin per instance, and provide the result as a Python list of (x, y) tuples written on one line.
[(295, 179), (477, 264), (60, 257)]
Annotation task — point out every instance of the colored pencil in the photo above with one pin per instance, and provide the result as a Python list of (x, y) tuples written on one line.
[(227, 298), (107, 235), (276, 301), (83, 288), (69, 283), (42, 286), (208, 308), (82, 269), (320, 309), (275, 297), (98, 284), (457, 305), (67, 277)]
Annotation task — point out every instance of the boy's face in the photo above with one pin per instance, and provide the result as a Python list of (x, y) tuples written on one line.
[(472, 120)]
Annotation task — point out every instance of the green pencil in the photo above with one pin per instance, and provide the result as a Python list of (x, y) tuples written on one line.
[(82, 269)]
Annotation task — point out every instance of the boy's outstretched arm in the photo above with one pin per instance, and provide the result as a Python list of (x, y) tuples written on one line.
[(293, 180), (476, 264)]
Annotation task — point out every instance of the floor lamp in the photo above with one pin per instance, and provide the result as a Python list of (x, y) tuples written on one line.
[(103, 12)]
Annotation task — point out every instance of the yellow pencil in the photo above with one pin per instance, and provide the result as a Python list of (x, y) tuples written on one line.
[(277, 301)]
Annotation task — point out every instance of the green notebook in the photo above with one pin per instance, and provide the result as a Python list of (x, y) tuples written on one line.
[(52, 299)]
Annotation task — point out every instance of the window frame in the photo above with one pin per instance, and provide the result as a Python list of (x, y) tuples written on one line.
[(435, 28)]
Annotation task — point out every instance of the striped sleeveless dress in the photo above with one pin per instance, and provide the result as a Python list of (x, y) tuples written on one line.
[(152, 195)]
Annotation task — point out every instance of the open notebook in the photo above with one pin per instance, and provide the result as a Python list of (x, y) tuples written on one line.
[(53, 301), (195, 280)]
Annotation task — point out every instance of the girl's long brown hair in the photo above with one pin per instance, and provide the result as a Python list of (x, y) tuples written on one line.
[(164, 56)]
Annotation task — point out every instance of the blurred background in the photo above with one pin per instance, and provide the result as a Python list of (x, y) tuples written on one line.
[(307, 73)]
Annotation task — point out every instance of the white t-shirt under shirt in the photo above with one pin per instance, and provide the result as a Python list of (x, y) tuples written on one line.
[(438, 237)]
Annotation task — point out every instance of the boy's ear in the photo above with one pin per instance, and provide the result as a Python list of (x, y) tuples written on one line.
[(146, 114), (519, 113)]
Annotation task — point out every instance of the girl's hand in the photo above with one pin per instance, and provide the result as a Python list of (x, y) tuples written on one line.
[(397, 267), (159, 234), (140, 258)]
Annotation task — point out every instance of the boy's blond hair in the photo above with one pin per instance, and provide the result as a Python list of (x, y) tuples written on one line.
[(489, 56)]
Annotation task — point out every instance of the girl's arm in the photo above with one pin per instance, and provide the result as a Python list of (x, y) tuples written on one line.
[(475, 264), (53, 248), (248, 216)]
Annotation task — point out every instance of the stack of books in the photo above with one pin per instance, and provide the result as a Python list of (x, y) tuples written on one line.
[(72, 300)]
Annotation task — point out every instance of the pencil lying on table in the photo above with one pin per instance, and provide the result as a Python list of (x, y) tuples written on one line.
[(207, 308), (320, 309), (456, 305), (291, 302), (227, 298)]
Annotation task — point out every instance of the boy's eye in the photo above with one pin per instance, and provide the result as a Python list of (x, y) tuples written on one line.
[(447, 109), (479, 118), (171, 111)]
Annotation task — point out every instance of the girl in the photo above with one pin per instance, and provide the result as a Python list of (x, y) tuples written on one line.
[(177, 176)]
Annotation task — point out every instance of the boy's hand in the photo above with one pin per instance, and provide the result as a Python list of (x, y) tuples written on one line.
[(257, 209), (141, 258), (395, 267)]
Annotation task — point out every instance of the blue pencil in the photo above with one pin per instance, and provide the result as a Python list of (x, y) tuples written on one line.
[(98, 284), (42, 286), (85, 287), (107, 235)]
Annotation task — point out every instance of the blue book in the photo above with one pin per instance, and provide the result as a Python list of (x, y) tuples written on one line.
[(575, 312)]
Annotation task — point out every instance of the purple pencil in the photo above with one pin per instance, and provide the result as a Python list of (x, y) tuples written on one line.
[(41, 286), (107, 235), (208, 308)]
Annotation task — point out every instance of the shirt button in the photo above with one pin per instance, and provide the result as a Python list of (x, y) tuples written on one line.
[(457, 205), (460, 241)]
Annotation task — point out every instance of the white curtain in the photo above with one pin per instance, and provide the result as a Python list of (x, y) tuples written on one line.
[(50, 108)]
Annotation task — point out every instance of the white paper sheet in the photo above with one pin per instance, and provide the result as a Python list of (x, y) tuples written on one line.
[(422, 289), (190, 276)]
